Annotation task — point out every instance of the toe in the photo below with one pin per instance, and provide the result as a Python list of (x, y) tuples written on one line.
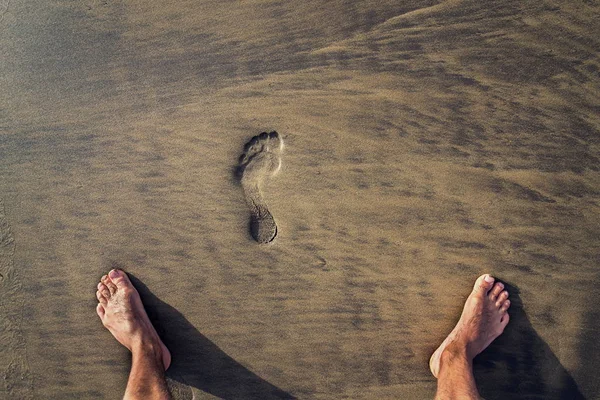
[(105, 280), (504, 321), (501, 298), (104, 291), (495, 292), (111, 286), (119, 278), (263, 136), (101, 298), (505, 306), (100, 310), (483, 284)]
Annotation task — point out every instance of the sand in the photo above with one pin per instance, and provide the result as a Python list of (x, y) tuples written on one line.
[(426, 143)]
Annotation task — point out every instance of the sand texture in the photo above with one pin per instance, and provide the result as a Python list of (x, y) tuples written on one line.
[(426, 143)]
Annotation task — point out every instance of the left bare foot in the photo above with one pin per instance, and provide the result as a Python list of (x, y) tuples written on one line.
[(121, 310)]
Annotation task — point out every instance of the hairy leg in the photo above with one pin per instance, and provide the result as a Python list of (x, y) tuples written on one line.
[(147, 376)]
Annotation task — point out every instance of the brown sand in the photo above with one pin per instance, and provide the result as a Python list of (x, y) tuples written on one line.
[(427, 142)]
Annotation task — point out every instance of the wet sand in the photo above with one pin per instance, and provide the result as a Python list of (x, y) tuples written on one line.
[(425, 143)]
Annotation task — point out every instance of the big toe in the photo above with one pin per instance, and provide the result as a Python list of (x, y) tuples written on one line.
[(119, 278), (483, 284)]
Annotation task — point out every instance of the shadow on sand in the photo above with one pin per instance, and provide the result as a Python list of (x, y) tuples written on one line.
[(520, 365), (197, 361)]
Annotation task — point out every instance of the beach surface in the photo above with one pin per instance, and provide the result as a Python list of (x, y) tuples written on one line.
[(424, 144)]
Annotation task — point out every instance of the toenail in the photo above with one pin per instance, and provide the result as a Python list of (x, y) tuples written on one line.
[(488, 279), (114, 273)]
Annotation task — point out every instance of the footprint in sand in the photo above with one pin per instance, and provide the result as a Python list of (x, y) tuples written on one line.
[(260, 161)]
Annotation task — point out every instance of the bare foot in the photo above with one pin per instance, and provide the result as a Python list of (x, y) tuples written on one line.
[(122, 313), (483, 319)]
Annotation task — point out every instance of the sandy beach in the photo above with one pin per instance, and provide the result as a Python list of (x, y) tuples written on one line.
[(425, 143)]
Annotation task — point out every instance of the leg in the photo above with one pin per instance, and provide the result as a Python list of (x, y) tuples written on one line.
[(122, 313), (483, 319), (455, 379), (147, 376)]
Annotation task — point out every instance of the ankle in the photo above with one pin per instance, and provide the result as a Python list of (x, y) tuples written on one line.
[(453, 354), (147, 346)]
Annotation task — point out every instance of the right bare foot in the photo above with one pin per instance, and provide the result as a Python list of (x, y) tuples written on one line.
[(121, 310), (483, 319)]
